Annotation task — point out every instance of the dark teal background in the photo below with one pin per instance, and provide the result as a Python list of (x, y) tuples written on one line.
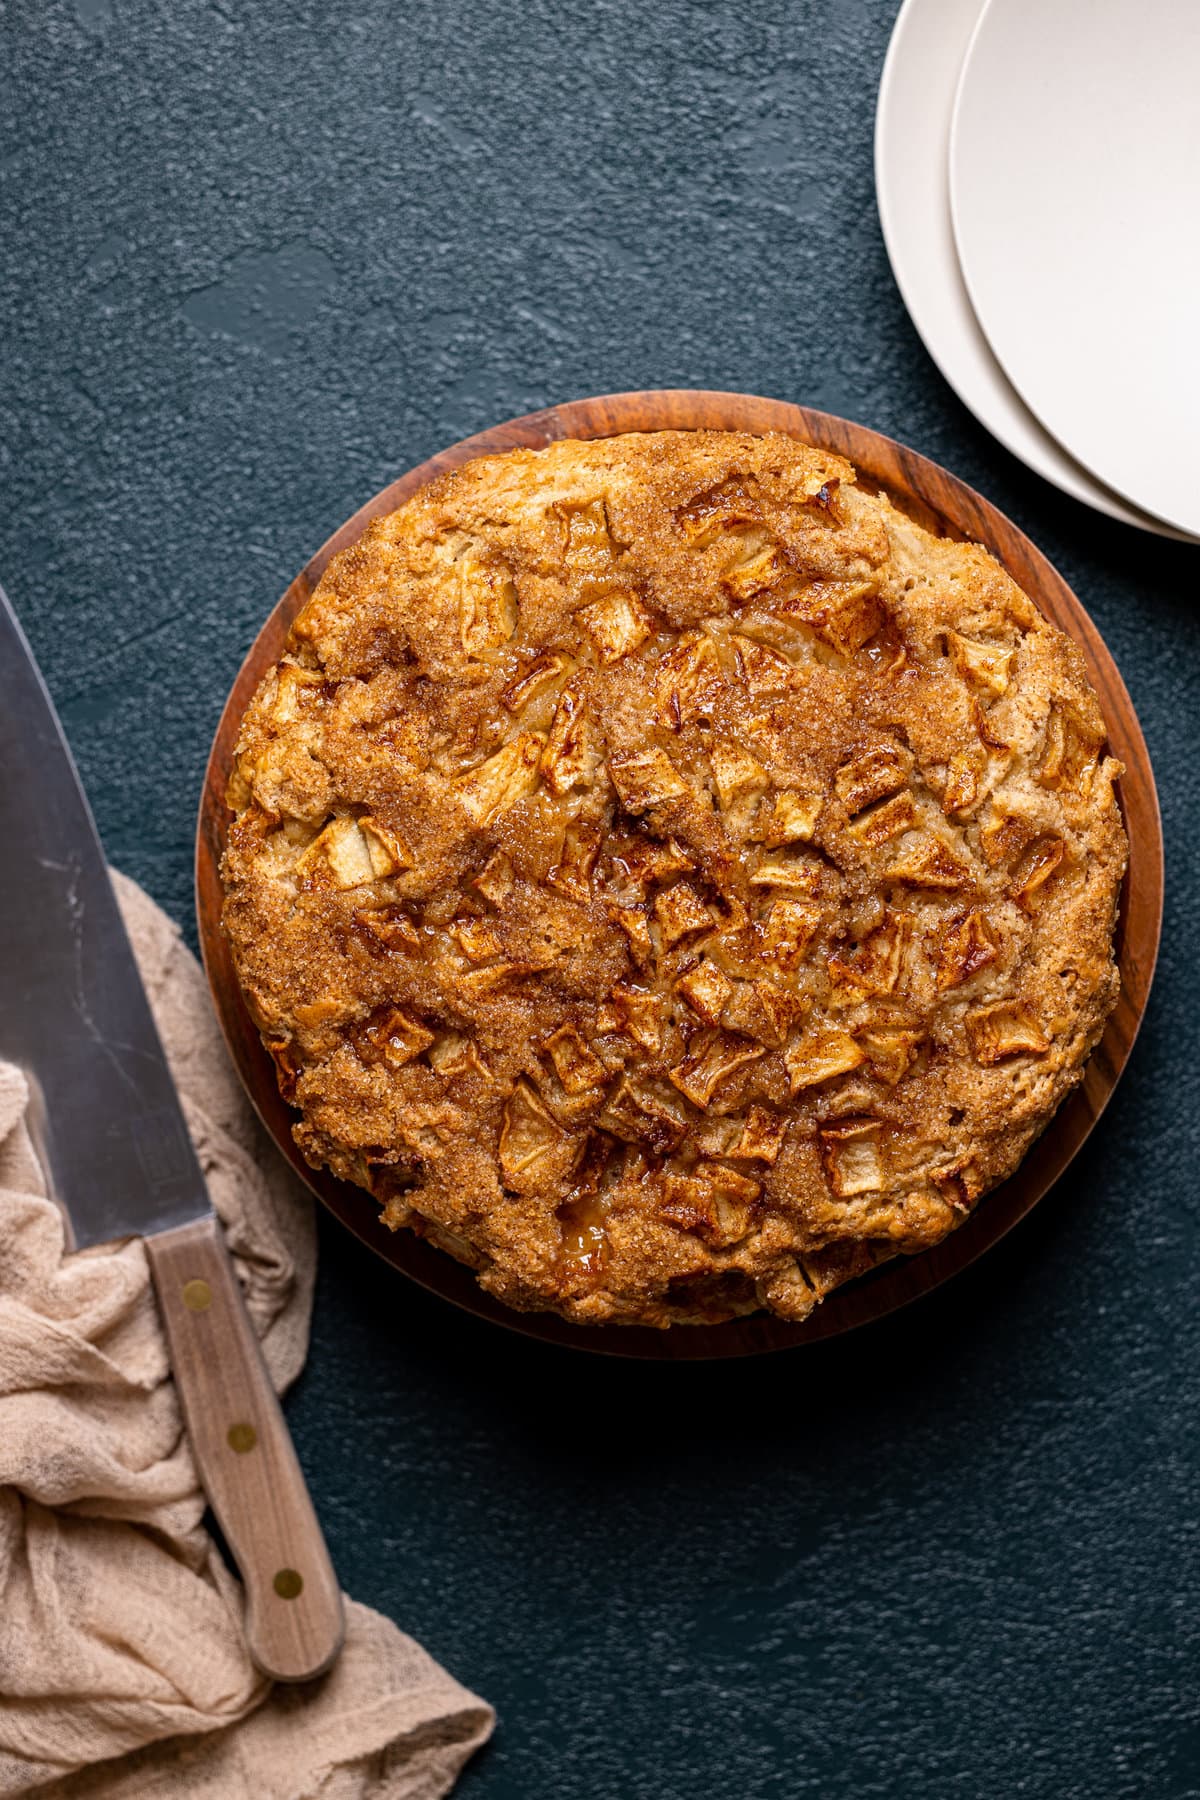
[(256, 258)]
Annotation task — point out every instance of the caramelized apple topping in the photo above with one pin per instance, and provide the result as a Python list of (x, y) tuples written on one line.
[(852, 1156), (967, 946), (646, 779), (700, 1075), (689, 681), (872, 776), (1006, 1029), (497, 784), (706, 991), (819, 1056), (574, 1064), (487, 605), (529, 1135), (985, 666), (617, 624), (669, 878)]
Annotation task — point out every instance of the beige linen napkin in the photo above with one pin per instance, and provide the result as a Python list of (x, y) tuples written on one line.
[(120, 1633)]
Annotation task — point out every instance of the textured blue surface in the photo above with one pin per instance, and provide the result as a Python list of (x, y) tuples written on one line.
[(255, 259)]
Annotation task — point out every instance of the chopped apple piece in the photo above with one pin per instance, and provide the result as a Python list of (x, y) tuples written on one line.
[(339, 856), (959, 1183), (824, 500), (491, 975), (574, 1064), (763, 670), (762, 1137), (570, 756), (843, 614), (497, 784), (688, 681), (1004, 833), (890, 1053), (890, 819), (680, 911), (966, 947), (794, 874), (1006, 1029), (788, 1293), (1038, 866), (647, 860), (699, 1076), (872, 776), (840, 1262), (964, 780), (495, 880), (706, 991), (634, 921), (931, 863), (313, 1014), (616, 623), (390, 926), (572, 873), (477, 939), (718, 1204), (755, 573), (986, 666), (874, 966), (529, 1133), (541, 674), (487, 604), (588, 534), (288, 1065), (296, 689), (708, 515), (850, 1151), (639, 1015), (887, 652), (735, 772), (387, 849), (399, 1038), (645, 778), (1071, 752), (820, 1056), (988, 732), (787, 931), (456, 1054), (639, 1114), (784, 1008), (787, 818)]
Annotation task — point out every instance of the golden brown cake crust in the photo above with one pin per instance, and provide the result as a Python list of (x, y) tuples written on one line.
[(669, 878)]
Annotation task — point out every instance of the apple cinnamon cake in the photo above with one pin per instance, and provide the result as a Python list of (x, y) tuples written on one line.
[(669, 878)]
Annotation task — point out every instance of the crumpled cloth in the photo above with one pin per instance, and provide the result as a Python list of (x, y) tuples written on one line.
[(122, 1666)]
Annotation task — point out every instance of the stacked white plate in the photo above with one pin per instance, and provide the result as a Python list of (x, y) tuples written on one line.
[(1037, 164)]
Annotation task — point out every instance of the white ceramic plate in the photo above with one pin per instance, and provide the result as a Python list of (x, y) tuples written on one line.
[(1075, 194), (912, 136)]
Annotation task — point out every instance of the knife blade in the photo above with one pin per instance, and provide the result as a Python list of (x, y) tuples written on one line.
[(114, 1146)]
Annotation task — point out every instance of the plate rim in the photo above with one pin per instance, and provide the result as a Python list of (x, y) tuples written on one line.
[(883, 463)]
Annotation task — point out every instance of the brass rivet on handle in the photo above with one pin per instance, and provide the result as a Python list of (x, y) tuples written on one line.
[(197, 1296), (241, 1437), (287, 1583)]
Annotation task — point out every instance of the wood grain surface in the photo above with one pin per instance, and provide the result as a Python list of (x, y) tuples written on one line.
[(294, 1622), (943, 504)]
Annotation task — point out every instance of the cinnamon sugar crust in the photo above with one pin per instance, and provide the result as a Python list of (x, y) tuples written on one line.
[(670, 879)]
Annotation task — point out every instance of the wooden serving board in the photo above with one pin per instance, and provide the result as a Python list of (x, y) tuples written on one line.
[(937, 501)]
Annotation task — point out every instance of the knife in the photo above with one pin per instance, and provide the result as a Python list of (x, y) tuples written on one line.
[(107, 1125)]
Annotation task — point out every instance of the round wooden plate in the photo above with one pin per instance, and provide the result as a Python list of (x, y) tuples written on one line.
[(942, 504)]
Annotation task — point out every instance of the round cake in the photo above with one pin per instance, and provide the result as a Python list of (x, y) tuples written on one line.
[(669, 878)]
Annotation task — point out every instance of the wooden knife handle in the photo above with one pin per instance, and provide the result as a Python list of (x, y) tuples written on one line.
[(247, 1463)]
